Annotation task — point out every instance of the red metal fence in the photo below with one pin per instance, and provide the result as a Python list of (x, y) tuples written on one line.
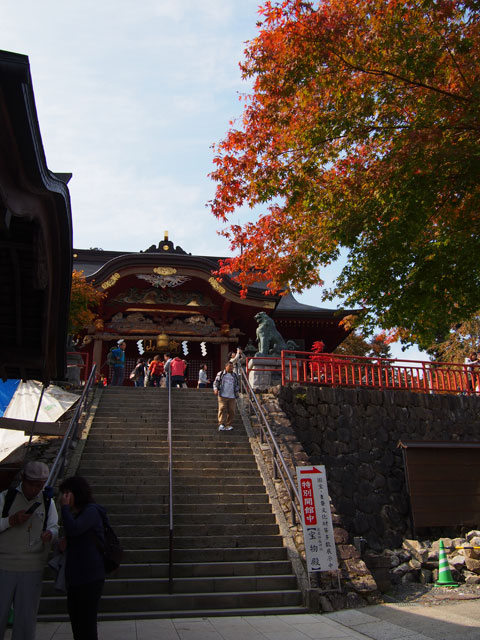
[(378, 373)]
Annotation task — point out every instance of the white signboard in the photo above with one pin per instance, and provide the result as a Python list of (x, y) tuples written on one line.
[(317, 519)]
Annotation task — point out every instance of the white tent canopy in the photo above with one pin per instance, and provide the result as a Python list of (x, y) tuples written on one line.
[(23, 406)]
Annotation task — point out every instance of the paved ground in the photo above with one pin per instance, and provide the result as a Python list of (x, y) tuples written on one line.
[(455, 621)]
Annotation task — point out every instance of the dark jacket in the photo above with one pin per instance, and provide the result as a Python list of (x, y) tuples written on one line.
[(84, 533)]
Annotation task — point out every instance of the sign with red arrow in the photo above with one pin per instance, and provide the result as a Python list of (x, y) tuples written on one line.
[(317, 519)]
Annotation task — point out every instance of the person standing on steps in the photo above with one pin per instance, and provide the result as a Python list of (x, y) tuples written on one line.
[(226, 387), (238, 360), (177, 369), (119, 363), (156, 371), (167, 364), (84, 568), (203, 380), (28, 526)]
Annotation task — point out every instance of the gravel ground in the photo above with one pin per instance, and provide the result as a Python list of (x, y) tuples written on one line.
[(428, 595)]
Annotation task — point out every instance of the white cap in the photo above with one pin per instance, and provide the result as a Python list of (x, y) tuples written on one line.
[(36, 471)]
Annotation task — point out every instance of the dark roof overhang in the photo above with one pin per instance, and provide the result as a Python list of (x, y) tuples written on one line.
[(35, 237)]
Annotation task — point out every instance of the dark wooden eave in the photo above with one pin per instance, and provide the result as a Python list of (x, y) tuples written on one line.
[(35, 237)]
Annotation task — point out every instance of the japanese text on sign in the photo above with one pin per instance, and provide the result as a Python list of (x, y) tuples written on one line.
[(317, 519)]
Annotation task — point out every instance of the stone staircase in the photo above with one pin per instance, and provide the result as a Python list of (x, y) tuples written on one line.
[(228, 558)]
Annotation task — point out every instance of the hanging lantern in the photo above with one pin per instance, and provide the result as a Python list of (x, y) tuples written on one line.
[(162, 342)]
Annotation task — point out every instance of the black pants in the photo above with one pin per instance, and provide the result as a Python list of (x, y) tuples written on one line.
[(83, 603)]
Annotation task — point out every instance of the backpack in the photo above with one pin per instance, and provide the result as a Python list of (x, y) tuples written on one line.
[(10, 497), (138, 372), (111, 359), (111, 549)]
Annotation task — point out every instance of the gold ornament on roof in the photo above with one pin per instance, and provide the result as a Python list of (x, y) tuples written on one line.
[(164, 271), (111, 281), (217, 286)]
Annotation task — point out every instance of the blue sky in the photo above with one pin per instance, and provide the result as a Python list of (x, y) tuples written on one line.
[(130, 97)]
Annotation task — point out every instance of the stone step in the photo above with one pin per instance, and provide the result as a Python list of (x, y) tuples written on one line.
[(183, 602), (224, 440), (202, 542), (189, 467), (208, 510), (110, 500), (184, 613), (190, 585), (151, 519), (180, 453), (199, 453), (203, 569), (212, 556), (195, 486), (212, 529)]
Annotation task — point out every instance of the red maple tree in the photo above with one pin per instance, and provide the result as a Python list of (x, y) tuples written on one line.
[(362, 132)]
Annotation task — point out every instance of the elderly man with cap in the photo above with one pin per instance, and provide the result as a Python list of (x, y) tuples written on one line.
[(28, 525), (119, 363)]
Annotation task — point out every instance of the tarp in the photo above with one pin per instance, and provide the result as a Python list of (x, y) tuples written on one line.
[(7, 389), (23, 405), (25, 402)]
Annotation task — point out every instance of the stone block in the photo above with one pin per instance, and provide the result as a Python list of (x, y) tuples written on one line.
[(377, 560), (364, 584), (472, 534), (340, 535), (473, 565), (457, 561), (471, 578), (347, 552), (416, 549), (356, 567)]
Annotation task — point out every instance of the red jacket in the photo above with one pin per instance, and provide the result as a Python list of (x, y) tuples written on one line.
[(177, 368), (156, 367)]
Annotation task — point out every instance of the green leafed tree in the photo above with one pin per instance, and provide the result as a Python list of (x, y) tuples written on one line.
[(362, 133)]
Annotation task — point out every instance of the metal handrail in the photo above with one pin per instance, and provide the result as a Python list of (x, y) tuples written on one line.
[(71, 433), (280, 467), (170, 486)]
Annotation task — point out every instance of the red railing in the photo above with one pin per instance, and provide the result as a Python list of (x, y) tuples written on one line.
[(378, 373)]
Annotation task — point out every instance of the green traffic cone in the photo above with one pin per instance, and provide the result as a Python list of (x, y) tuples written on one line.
[(444, 574), (10, 617)]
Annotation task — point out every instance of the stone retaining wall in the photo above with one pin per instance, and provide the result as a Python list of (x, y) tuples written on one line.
[(355, 433)]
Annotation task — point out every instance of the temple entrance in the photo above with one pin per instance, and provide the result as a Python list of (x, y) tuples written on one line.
[(215, 357)]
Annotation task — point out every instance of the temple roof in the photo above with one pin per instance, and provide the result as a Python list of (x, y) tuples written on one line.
[(35, 237), (95, 263)]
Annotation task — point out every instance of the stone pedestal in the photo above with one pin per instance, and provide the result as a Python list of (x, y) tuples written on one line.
[(261, 379)]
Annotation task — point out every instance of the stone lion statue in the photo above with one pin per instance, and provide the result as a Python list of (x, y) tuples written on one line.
[(270, 342)]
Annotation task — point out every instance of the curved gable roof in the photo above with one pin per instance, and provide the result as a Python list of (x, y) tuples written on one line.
[(35, 237)]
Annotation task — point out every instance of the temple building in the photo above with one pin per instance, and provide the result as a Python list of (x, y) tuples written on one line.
[(166, 300)]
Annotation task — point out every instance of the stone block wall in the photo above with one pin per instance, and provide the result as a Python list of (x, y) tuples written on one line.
[(355, 434)]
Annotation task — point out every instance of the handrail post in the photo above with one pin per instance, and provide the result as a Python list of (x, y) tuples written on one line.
[(71, 432), (292, 509), (426, 381), (170, 486)]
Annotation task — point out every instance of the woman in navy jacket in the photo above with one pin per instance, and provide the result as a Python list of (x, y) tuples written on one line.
[(84, 568)]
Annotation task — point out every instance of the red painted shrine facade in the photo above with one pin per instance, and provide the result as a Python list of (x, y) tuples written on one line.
[(164, 297)]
